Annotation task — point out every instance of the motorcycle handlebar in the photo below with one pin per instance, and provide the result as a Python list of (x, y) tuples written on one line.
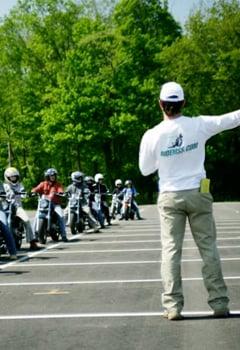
[(61, 194), (5, 195), (21, 193), (102, 193), (33, 194)]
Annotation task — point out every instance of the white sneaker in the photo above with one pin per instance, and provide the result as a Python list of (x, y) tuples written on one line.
[(172, 315)]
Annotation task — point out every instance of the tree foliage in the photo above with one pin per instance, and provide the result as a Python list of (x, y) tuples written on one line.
[(206, 61), (79, 83)]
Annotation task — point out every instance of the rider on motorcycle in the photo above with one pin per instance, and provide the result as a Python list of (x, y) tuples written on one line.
[(50, 187), (78, 186), (13, 188), (129, 189), (101, 189), (116, 204), (118, 186), (6, 233), (89, 181)]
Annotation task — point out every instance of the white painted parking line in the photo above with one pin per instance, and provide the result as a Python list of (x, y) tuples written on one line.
[(47, 252), (130, 262), (155, 223), (140, 241), (86, 239), (146, 231), (127, 250), (31, 255), (130, 281), (107, 315)]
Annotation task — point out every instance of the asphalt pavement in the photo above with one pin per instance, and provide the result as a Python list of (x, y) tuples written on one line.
[(103, 291)]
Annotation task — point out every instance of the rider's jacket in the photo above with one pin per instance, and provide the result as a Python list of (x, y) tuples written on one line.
[(2, 190), (1, 187), (49, 189), (118, 192), (81, 188), (12, 191), (101, 189), (128, 191)]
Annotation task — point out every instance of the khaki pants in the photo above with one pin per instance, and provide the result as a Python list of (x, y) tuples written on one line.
[(174, 209)]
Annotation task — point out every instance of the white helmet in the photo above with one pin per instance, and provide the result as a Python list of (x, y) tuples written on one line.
[(89, 179), (118, 182), (98, 177), (128, 182), (9, 172)]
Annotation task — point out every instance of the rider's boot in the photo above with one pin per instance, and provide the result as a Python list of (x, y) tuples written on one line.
[(33, 245)]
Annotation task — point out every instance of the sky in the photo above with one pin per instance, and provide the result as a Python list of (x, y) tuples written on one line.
[(180, 9)]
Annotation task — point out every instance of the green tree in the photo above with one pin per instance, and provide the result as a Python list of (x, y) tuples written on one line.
[(145, 28), (207, 61)]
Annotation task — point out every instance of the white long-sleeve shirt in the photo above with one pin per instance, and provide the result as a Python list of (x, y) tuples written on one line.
[(176, 148)]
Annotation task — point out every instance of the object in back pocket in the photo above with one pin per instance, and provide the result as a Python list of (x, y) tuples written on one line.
[(205, 185)]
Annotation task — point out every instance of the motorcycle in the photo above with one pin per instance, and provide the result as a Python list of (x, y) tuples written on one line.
[(15, 223), (3, 246), (46, 222), (76, 217), (116, 206), (128, 210), (97, 209)]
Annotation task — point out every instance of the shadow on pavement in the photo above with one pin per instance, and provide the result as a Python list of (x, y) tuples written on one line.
[(209, 317), (73, 240), (38, 257), (13, 272)]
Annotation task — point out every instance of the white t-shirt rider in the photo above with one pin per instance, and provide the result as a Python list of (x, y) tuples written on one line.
[(176, 148)]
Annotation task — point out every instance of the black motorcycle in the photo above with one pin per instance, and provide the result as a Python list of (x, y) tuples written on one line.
[(76, 217), (128, 208), (116, 206), (3, 246), (15, 223), (46, 222)]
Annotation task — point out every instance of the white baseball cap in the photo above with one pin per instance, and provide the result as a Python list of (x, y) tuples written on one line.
[(171, 92)]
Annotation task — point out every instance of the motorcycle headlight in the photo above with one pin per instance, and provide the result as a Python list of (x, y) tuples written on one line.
[(43, 204), (73, 203), (5, 205)]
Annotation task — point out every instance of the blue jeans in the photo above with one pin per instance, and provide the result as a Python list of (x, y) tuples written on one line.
[(9, 239)]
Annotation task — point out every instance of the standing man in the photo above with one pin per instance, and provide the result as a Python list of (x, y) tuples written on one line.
[(176, 148)]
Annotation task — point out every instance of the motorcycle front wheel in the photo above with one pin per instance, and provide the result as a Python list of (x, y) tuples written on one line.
[(127, 213), (18, 241), (19, 233), (80, 226), (54, 235), (74, 226), (131, 215), (42, 231)]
